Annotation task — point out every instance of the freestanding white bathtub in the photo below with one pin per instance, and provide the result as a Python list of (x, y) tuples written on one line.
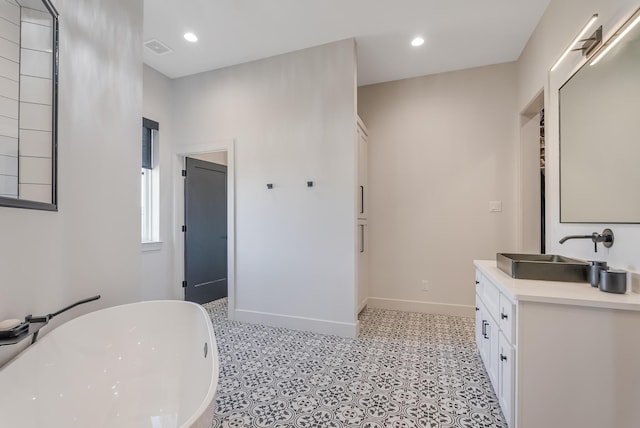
[(149, 364)]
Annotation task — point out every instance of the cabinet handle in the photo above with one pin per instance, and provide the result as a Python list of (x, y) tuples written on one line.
[(503, 357), (503, 316), (361, 199), (484, 329), (362, 238), (477, 282), (477, 309)]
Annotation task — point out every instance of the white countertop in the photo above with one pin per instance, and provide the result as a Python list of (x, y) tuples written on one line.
[(565, 293)]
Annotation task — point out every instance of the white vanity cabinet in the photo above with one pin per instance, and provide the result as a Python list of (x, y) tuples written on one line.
[(567, 354), (495, 314), (362, 212)]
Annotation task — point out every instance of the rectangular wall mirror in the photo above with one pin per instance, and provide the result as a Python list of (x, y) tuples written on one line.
[(600, 134), (28, 103)]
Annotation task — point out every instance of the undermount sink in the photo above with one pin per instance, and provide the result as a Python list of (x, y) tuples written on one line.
[(545, 267)]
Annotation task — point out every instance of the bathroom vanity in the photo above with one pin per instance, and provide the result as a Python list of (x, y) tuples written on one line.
[(559, 354)]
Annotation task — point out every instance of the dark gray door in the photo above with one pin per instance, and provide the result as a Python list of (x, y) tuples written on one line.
[(205, 245)]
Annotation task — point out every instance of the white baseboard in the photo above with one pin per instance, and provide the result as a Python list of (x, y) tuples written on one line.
[(362, 305), (298, 323), (422, 307)]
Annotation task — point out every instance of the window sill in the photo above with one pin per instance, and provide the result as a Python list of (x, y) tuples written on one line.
[(151, 246)]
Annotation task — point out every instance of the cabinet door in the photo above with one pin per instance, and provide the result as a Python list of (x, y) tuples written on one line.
[(363, 174), (491, 337), (363, 265), (480, 311), (487, 341), (506, 379)]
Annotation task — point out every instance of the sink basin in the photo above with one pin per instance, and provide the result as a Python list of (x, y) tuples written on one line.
[(545, 267)]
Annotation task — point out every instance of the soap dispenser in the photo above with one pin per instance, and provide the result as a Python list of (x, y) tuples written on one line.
[(595, 267)]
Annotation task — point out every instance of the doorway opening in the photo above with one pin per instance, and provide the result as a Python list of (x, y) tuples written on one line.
[(220, 154), (532, 177)]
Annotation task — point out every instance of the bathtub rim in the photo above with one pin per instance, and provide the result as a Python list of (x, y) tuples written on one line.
[(209, 398), (213, 351)]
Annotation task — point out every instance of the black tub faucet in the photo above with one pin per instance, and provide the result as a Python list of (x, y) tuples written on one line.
[(606, 237)]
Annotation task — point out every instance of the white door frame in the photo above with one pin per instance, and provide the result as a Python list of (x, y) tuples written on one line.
[(532, 110), (178, 213)]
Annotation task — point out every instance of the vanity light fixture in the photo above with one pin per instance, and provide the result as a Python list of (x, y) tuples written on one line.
[(619, 35), (190, 37), (578, 38), (418, 41)]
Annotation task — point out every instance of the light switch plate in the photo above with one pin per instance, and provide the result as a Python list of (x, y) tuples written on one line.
[(495, 206)]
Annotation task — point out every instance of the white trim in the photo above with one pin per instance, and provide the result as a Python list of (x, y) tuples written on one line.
[(362, 305), (151, 246), (298, 323), (422, 307), (530, 112), (228, 146)]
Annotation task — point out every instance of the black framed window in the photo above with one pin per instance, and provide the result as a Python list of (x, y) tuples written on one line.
[(150, 182), (148, 126)]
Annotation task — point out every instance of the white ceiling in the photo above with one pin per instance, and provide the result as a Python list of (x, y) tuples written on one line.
[(459, 33)]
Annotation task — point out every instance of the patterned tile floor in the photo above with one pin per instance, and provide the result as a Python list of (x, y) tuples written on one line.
[(405, 370)]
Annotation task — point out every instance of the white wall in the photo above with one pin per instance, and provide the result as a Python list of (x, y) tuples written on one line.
[(157, 259), (92, 244), (293, 119), (559, 25), (440, 148)]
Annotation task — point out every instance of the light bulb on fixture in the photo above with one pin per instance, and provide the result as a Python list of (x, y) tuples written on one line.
[(418, 41), (579, 37), (190, 37)]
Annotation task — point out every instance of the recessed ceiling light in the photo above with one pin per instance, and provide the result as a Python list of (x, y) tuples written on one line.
[(190, 37), (418, 41)]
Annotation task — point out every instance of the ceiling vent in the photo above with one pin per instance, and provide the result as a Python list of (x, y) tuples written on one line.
[(157, 47)]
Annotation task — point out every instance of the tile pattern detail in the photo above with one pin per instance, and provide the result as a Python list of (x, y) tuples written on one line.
[(405, 370)]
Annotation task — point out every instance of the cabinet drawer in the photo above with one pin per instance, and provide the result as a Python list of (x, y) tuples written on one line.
[(507, 319), (479, 283), (491, 297)]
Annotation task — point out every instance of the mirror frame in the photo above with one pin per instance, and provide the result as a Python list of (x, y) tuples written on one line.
[(25, 203), (602, 49)]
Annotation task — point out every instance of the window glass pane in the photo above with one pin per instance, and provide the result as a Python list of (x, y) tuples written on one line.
[(147, 152), (146, 193), (149, 181)]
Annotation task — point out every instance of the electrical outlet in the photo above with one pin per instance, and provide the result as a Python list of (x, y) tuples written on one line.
[(425, 285)]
